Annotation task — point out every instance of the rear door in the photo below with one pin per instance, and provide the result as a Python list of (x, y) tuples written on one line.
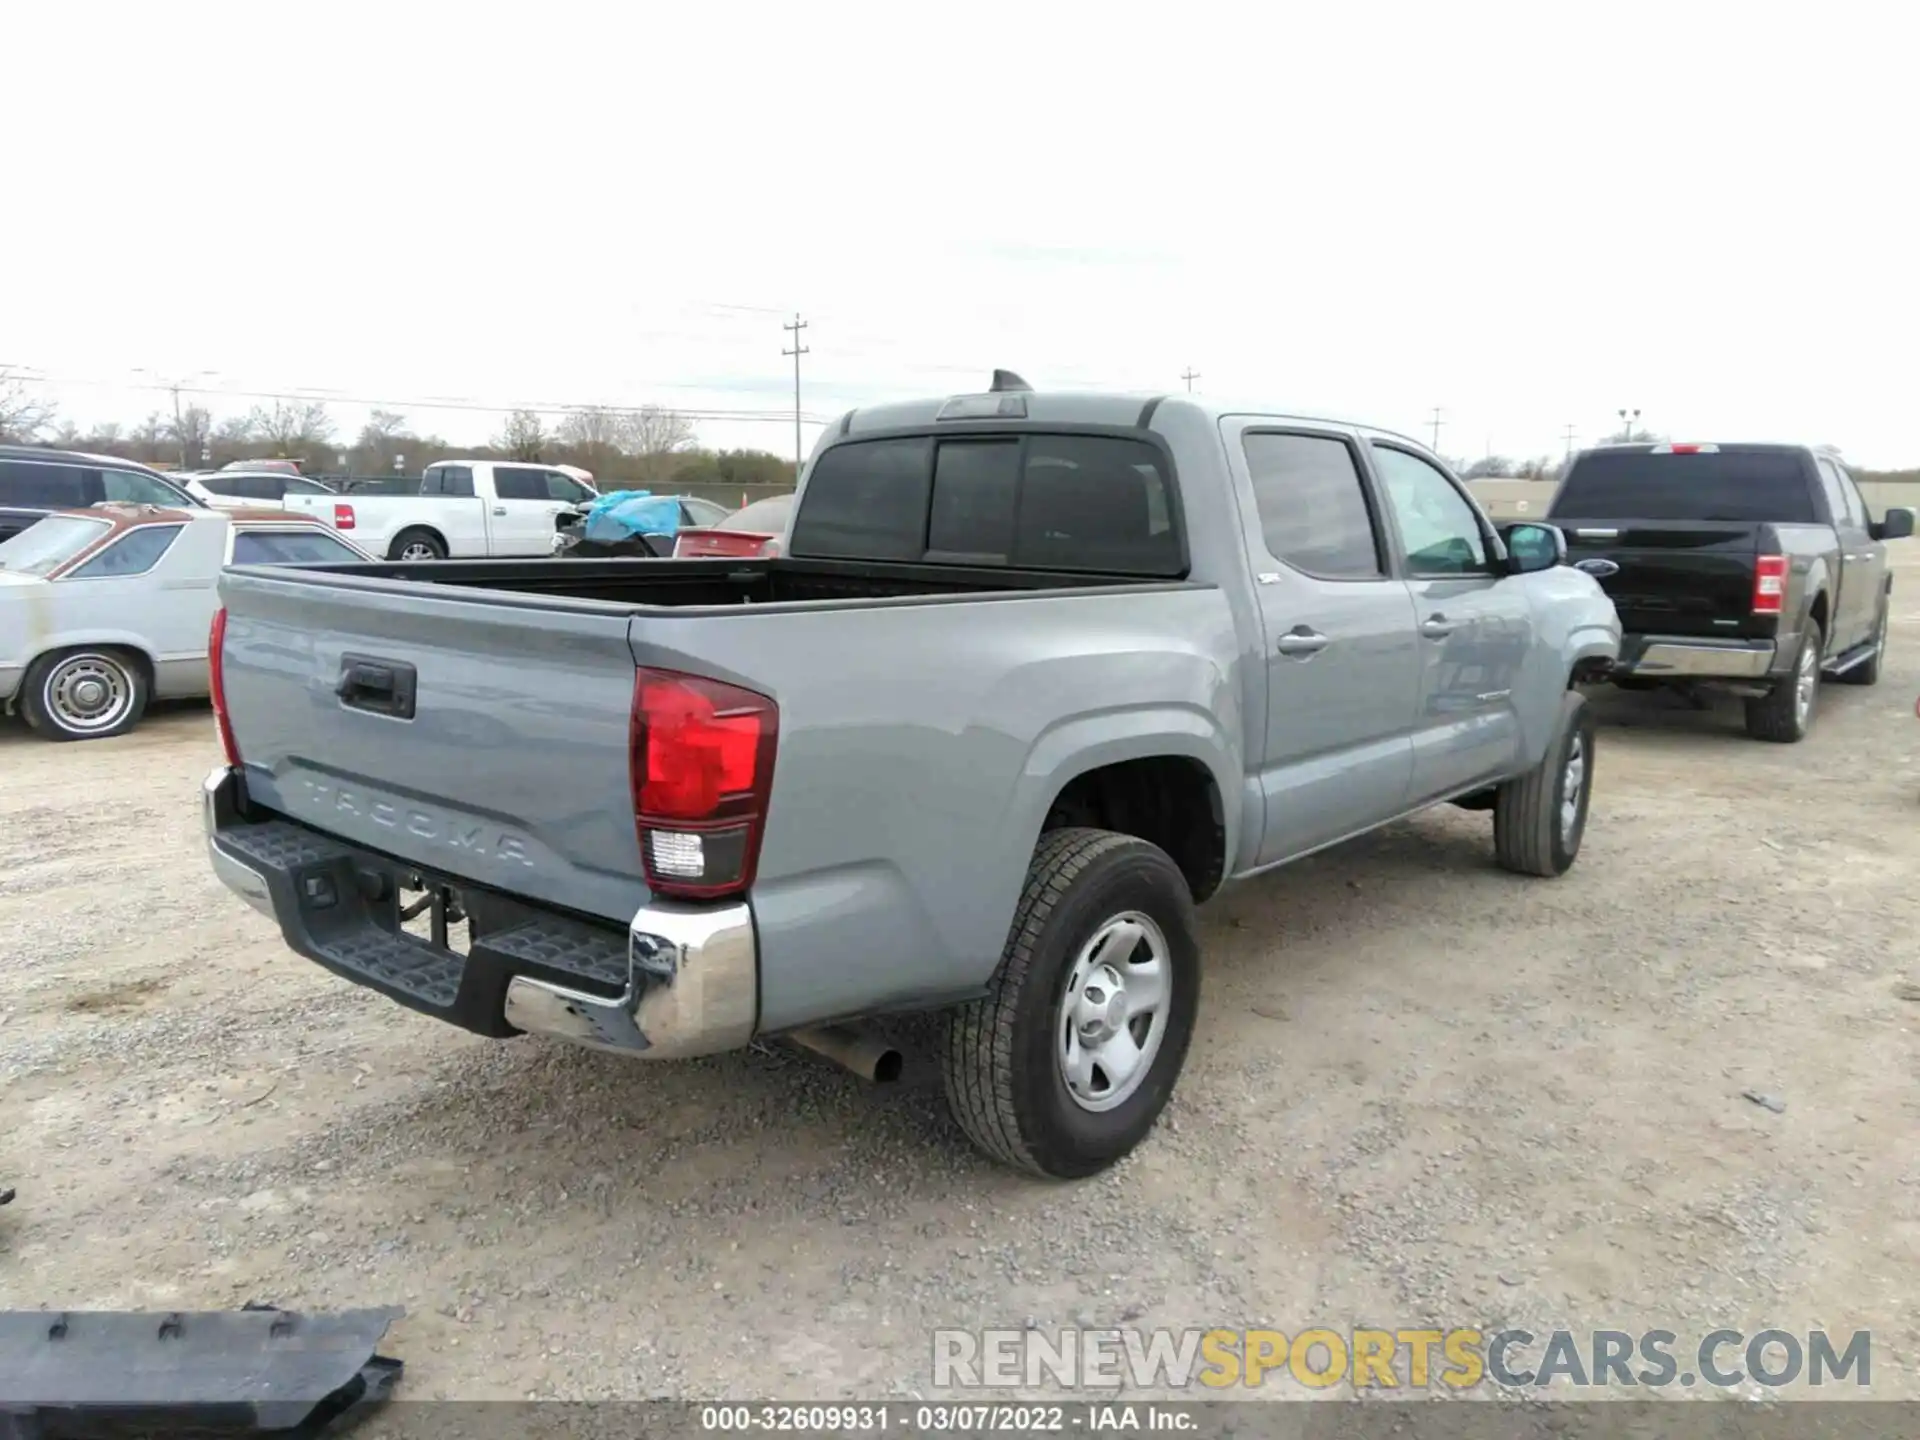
[(1475, 626), (1863, 562), (522, 512), (1341, 657)]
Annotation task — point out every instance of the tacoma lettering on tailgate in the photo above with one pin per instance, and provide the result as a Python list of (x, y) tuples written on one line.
[(462, 835)]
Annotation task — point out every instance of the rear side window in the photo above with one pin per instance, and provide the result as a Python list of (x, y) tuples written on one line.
[(127, 487), (513, 483), (289, 547), (1313, 507), (1052, 502), (1742, 485), (48, 487), (134, 553)]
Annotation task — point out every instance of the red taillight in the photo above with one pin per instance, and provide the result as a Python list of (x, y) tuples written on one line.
[(744, 543), (1769, 584), (343, 517), (217, 685), (700, 765)]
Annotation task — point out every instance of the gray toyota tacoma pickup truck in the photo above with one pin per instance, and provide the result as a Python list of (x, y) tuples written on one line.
[(1035, 674)]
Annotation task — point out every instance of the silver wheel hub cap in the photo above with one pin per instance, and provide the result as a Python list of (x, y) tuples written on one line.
[(88, 693), (1804, 684), (416, 551), (1113, 1014), (1573, 782)]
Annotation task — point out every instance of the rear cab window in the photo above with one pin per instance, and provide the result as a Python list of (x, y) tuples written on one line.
[(1739, 483), (1031, 501), (447, 480)]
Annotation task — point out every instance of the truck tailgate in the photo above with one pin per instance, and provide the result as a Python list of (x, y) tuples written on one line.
[(527, 705), (1676, 577)]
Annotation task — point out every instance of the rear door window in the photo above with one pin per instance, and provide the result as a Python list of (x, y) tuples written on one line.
[(513, 482), (1741, 484), (129, 487), (1313, 506), (48, 487), (1830, 488)]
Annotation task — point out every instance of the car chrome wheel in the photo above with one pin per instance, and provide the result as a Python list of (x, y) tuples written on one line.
[(86, 694), (1573, 780), (417, 550), (1113, 1014)]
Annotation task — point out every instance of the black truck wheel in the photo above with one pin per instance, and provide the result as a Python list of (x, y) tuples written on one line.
[(1785, 714), (1867, 672), (1067, 1061), (1539, 818)]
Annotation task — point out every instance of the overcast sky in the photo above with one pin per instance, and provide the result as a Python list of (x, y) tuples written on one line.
[(1528, 215)]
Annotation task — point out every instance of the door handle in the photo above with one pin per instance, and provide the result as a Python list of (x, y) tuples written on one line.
[(499, 509), (1438, 627), (1301, 641)]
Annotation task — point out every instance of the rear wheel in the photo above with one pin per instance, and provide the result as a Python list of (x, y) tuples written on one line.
[(417, 544), (1540, 818), (1867, 672), (1067, 1061), (1785, 714), (84, 694)]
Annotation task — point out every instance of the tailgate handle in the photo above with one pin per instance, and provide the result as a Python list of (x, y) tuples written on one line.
[(380, 687)]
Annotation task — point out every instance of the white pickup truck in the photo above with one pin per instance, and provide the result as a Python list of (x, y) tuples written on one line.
[(464, 509)]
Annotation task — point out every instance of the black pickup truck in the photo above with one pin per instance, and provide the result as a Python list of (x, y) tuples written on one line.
[(1754, 569)]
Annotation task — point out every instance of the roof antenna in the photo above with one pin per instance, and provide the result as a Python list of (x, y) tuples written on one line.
[(1007, 380)]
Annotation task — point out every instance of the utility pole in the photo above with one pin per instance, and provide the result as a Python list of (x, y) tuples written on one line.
[(796, 352), (176, 386), (1436, 429), (1627, 426), (1569, 442), (1189, 375)]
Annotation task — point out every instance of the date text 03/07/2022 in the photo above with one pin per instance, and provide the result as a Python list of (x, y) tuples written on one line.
[(856, 1419)]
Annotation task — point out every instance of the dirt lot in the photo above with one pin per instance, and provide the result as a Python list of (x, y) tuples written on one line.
[(1423, 1091)]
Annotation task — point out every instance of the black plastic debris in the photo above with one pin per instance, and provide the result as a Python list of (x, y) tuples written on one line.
[(6, 1196), (259, 1370)]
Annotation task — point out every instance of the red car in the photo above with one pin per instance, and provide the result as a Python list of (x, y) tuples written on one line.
[(751, 532)]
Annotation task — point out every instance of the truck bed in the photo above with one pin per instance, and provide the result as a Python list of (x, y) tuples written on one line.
[(723, 581)]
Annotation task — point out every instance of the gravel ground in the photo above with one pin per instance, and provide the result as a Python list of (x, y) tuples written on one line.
[(1423, 1091)]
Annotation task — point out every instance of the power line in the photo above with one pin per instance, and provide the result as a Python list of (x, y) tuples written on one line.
[(310, 394), (798, 350)]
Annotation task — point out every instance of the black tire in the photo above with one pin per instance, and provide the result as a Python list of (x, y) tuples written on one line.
[(1778, 715), (1004, 1077), (1867, 672), (1530, 835), (58, 687), (417, 535)]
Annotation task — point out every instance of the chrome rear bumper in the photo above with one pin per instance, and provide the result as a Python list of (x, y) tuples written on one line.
[(1702, 660), (691, 971)]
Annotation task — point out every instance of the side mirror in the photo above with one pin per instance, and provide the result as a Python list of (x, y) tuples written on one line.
[(1533, 547), (1897, 525)]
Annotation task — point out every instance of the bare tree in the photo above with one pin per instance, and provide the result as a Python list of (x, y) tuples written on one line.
[(593, 428), (192, 435), (384, 437), (23, 415), (1490, 467), (293, 426), (654, 437), (149, 438), (524, 435)]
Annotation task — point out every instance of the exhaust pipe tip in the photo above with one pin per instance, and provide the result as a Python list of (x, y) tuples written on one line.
[(857, 1051)]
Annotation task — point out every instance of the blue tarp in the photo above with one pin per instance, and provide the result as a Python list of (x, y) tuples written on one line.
[(625, 513)]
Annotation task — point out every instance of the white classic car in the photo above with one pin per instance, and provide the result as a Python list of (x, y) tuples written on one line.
[(103, 609)]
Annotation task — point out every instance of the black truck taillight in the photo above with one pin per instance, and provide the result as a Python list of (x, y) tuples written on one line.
[(700, 763), (1769, 584)]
